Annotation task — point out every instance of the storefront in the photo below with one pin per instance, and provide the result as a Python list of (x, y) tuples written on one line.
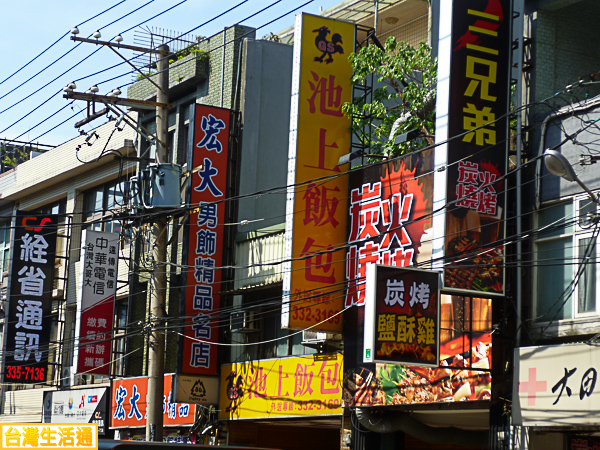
[(287, 403), (128, 411), (556, 398), (88, 405)]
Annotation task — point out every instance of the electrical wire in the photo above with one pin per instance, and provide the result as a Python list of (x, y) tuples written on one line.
[(48, 48)]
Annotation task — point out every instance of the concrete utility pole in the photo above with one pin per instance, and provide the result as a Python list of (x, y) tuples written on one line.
[(156, 339)]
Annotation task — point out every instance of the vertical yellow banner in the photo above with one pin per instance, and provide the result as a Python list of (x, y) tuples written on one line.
[(318, 220)]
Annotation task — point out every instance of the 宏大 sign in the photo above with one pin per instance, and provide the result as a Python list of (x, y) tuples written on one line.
[(129, 403), (210, 160), (401, 316)]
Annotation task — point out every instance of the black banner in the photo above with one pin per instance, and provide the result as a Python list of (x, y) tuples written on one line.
[(402, 317), (33, 248), (477, 150)]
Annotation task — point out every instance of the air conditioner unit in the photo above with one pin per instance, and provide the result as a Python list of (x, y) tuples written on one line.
[(313, 337), (66, 377), (69, 378)]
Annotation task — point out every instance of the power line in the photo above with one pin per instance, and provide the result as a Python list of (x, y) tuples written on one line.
[(48, 48)]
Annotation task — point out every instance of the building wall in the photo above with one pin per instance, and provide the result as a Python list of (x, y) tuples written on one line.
[(564, 50), (228, 77), (265, 104)]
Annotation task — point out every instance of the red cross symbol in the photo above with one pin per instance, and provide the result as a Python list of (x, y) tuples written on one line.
[(532, 387)]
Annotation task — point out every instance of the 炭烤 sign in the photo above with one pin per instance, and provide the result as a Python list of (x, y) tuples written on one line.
[(477, 148), (389, 214), (401, 316)]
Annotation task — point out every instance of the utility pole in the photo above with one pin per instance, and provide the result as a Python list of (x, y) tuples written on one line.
[(156, 339)]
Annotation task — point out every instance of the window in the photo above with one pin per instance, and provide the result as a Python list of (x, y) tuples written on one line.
[(59, 208), (98, 201), (465, 331), (4, 249), (120, 329), (566, 252)]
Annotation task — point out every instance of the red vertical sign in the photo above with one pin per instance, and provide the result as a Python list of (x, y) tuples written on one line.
[(206, 231), (96, 299)]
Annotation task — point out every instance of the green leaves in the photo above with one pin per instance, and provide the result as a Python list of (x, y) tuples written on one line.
[(403, 96), (390, 377)]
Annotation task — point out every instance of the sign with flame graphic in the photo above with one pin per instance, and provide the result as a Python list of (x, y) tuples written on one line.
[(479, 82)]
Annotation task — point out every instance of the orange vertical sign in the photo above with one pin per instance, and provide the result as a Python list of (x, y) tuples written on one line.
[(317, 198)]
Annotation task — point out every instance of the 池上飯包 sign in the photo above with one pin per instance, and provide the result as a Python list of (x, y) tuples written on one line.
[(30, 297), (95, 302), (207, 192), (128, 404), (479, 83), (283, 387), (389, 212), (401, 316), (316, 207)]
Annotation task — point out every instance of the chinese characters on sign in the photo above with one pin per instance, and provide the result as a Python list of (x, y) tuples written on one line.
[(128, 404), (77, 406), (99, 262), (319, 135), (557, 384), (583, 443), (401, 316), (285, 387), (32, 273), (35, 435), (386, 203), (206, 234), (476, 162)]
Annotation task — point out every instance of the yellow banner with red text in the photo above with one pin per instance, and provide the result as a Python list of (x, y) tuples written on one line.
[(320, 197), (46, 435), (282, 388)]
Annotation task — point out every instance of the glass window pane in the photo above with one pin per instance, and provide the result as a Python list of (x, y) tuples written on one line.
[(115, 196), (556, 217), (586, 209), (4, 234), (587, 281), (92, 202), (554, 275)]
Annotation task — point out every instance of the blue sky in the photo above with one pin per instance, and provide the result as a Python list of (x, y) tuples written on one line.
[(28, 27)]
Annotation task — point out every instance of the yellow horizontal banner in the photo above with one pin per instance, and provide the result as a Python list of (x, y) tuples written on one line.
[(46, 435), (284, 387)]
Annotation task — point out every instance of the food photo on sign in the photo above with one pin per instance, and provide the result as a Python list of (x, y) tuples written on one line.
[(462, 372)]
